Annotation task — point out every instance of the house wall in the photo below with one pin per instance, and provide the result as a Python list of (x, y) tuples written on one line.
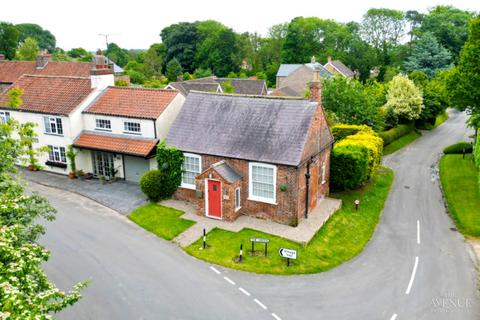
[(298, 79), (165, 121), (146, 125)]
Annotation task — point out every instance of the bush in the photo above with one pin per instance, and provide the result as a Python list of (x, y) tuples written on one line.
[(151, 184), (395, 133), (121, 83), (458, 148), (341, 131), (477, 153), (349, 167)]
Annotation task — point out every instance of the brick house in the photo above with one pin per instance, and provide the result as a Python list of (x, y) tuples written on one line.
[(266, 157)]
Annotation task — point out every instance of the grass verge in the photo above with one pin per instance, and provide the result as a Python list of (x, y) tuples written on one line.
[(441, 118), (401, 142), (343, 236), (163, 221), (460, 185)]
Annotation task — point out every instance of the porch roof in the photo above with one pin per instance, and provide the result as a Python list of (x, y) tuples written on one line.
[(115, 143)]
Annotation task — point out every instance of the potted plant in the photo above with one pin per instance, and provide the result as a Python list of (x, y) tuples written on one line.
[(88, 176), (71, 155), (81, 174), (102, 179)]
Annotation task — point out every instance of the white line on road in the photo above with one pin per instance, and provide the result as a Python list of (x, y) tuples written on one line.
[(229, 280), (260, 304), (244, 291), (276, 317), (414, 271), (418, 231), (215, 270), (394, 316)]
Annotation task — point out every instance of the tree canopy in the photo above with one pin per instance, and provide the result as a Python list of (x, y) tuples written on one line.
[(404, 98), (45, 39), (28, 50)]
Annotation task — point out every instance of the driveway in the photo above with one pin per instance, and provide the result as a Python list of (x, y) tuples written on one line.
[(415, 266)]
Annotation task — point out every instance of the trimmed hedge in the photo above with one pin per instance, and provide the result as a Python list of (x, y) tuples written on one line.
[(341, 131), (151, 184), (458, 148), (477, 153), (349, 166), (395, 133)]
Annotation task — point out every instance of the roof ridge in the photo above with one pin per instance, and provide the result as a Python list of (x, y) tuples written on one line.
[(248, 95), (50, 76), (141, 88)]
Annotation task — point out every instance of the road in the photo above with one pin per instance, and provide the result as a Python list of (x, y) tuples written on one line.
[(415, 266)]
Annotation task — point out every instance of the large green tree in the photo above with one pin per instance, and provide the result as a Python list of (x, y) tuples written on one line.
[(28, 50), (404, 98), (428, 56), (174, 70), (181, 40), (9, 37), (116, 54), (45, 39), (154, 59)]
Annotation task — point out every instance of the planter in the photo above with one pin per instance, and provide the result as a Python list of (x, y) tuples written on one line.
[(71, 175)]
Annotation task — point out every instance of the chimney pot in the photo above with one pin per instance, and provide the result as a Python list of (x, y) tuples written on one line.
[(316, 91)]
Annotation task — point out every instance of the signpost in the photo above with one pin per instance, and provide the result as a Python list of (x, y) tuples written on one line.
[(260, 240), (288, 253)]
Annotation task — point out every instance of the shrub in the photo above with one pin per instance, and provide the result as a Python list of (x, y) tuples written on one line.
[(458, 148), (341, 131), (121, 83), (169, 160), (151, 184), (477, 153), (349, 166), (395, 133)]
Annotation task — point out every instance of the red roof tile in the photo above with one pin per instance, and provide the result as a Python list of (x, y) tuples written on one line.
[(132, 102), (53, 95), (112, 143), (12, 70)]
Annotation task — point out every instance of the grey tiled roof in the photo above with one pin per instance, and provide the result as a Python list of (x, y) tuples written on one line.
[(343, 69), (186, 86), (227, 172), (263, 129), (286, 69), (324, 73), (288, 92), (245, 86), (210, 84)]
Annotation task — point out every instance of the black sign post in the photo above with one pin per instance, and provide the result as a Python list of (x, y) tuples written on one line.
[(240, 257), (261, 240), (288, 253), (204, 239)]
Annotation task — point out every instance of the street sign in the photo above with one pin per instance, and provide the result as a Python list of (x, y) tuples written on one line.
[(262, 240), (287, 253)]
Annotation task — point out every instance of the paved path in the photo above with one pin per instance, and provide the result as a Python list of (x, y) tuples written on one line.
[(412, 262), (303, 233)]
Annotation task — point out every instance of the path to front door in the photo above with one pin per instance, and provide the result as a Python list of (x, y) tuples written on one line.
[(213, 205)]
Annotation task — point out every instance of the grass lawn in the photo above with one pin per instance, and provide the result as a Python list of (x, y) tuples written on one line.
[(441, 118), (163, 221), (401, 142), (460, 183), (343, 236)]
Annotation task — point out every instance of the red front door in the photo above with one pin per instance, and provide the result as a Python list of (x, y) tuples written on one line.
[(214, 199)]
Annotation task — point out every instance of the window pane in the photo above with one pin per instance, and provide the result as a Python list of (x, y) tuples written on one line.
[(191, 168), (263, 182), (59, 126)]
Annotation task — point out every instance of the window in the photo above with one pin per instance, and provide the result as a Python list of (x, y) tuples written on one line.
[(238, 203), (262, 182), (323, 174), (192, 166), (53, 125), (4, 116), (57, 154), (131, 127), (103, 124)]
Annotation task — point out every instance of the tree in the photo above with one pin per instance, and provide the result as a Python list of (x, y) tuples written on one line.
[(45, 39), (80, 54), (28, 50), (404, 98), (181, 40), (202, 73), (9, 37), (449, 25), (154, 59), (174, 70), (350, 103), (464, 82), (414, 19), (116, 54), (428, 56)]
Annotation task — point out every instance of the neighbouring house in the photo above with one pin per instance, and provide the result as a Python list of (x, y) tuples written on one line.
[(263, 156), (122, 127), (337, 67), (218, 85), (293, 79)]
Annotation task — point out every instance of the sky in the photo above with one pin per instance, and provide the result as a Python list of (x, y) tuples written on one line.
[(138, 24)]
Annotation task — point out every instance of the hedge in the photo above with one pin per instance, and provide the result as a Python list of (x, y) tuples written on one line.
[(349, 166), (371, 142), (395, 133), (341, 131), (477, 153), (151, 184), (458, 148)]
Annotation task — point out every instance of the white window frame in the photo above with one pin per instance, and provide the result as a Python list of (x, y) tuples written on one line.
[(99, 121), (4, 116), (191, 155), (57, 150), (48, 121), (250, 183), (323, 173), (125, 130), (238, 196)]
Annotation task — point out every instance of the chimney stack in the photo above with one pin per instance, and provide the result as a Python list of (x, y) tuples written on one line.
[(2, 57), (316, 88), (101, 74), (43, 59), (313, 60)]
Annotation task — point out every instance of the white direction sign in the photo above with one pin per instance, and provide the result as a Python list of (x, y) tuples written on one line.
[(288, 253)]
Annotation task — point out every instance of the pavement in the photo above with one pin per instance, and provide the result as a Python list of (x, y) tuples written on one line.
[(121, 196), (302, 233), (414, 267)]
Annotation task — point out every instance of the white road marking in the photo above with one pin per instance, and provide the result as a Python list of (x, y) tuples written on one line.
[(215, 270), (229, 280), (414, 271), (244, 291), (260, 304), (418, 231), (276, 317), (394, 316)]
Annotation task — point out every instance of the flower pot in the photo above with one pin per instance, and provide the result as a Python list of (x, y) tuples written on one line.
[(71, 175)]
